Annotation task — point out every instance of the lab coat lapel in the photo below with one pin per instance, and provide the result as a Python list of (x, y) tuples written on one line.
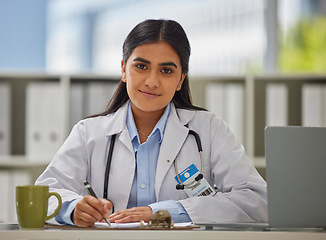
[(118, 125), (123, 158), (174, 136), (123, 170)]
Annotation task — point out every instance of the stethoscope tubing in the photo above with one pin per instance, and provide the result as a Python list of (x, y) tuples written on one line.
[(179, 186)]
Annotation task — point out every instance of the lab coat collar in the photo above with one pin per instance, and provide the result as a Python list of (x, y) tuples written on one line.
[(118, 119), (117, 125)]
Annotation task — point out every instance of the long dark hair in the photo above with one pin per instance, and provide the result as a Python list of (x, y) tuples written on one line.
[(152, 31)]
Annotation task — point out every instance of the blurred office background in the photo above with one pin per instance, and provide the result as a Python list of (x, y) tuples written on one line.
[(253, 62), (227, 37)]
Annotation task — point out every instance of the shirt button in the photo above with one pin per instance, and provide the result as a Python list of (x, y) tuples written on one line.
[(143, 186)]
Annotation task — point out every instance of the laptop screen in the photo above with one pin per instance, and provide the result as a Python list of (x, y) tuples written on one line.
[(296, 176)]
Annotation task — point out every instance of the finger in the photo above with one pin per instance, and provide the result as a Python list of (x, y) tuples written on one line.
[(98, 204), (90, 210), (82, 219), (129, 218), (86, 215), (86, 211), (81, 216), (107, 207), (124, 211), (122, 218), (81, 223), (132, 215)]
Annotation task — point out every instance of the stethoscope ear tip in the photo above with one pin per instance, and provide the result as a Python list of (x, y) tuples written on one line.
[(200, 176), (182, 186)]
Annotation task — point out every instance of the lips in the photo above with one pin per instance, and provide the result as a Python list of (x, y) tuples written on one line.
[(149, 94)]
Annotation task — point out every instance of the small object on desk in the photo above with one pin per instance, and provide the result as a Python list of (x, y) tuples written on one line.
[(160, 219), (92, 193)]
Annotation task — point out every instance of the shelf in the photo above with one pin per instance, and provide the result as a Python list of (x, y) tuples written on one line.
[(21, 161), (259, 162), (254, 106)]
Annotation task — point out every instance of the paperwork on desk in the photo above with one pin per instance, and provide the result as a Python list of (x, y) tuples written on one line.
[(135, 225), (127, 226)]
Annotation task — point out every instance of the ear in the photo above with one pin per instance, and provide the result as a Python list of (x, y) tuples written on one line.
[(183, 76), (123, 71)]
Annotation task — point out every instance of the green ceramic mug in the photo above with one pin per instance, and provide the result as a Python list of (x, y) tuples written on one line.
[(32, 205)]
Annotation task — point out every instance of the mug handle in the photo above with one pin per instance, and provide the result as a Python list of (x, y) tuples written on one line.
[(58, 208)]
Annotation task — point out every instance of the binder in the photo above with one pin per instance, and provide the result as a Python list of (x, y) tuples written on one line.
[(4, 199), (227, 101), (313, 105), (276, 104), (98, 96), (16, 177), (77, 103), (214, 98), (44, 120), (5, 119), (234, 109)]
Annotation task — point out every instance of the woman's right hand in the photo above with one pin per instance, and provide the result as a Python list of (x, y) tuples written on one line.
[(90, 210)]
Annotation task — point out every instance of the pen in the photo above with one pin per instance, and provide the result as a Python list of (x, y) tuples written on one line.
[(92, 193)]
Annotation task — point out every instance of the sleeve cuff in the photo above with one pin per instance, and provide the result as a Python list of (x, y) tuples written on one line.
[(64, 216), (175, 208)]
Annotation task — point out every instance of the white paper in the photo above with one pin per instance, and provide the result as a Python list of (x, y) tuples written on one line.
[(117, 225), (135, 225)]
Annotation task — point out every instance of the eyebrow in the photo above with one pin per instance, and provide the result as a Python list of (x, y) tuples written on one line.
[(161, 64)]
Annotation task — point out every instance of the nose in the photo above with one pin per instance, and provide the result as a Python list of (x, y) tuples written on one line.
[(152, 80)]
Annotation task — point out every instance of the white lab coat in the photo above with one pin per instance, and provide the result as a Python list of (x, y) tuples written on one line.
[(242, 192)]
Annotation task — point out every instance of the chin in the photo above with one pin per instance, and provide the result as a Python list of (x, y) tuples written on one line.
[(151, 108)]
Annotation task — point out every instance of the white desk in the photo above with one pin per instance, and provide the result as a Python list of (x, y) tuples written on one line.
[(157, 235)]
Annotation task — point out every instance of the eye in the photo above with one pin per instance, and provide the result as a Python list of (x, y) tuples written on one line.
[(166, 70), (141, 66)]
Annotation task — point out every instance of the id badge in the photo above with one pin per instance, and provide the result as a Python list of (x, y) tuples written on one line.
[(200, 188)]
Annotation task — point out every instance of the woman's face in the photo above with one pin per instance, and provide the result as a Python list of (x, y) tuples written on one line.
[(152, 74)]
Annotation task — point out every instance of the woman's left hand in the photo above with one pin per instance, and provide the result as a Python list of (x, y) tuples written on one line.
[(135, 214)]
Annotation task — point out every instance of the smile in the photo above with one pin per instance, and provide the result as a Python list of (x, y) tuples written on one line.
[(149, 94)]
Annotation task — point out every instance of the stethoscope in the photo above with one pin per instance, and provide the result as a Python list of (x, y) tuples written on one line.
[(182, 185)]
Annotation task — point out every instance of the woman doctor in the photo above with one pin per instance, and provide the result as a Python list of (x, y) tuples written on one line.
[(150, 116)]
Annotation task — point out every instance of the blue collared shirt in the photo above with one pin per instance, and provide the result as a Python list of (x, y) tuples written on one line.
[(146, 155), (143, 187)]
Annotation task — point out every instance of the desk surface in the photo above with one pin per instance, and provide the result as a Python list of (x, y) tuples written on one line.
[(8, 232)]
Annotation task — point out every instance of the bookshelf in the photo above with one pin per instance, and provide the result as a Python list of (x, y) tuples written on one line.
[(253, 121), (255, 105), (19, 84)]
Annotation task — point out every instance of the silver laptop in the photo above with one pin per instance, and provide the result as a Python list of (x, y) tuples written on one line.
[(296, 176), (296, 180)]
